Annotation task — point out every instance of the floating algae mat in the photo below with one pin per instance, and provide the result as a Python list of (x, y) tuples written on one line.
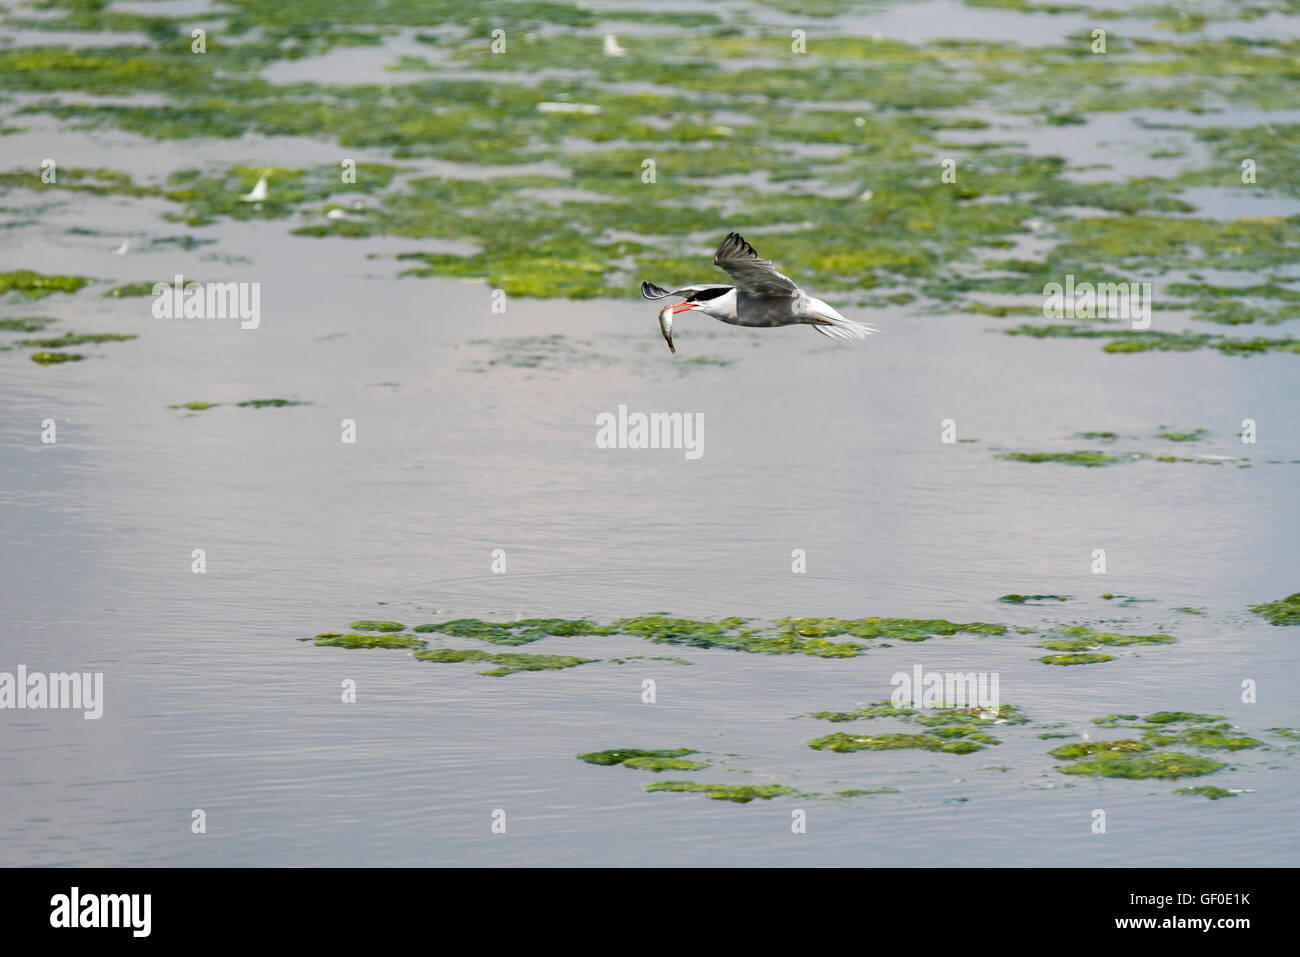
[(788, 636), (952, 733), (1284, 611), (56, 358), (657, 761), (1121, 341), (736, 793), (1144, 758), (74, 339), (1208, 791), (946, 730), (25, 323), (812, 637), (1094, 458), (200, 406), (724, 115), (676, 759), (951, 740), (506, 663), (26, 284), (1076, 644)]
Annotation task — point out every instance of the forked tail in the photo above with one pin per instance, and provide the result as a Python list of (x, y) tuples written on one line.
[(835, 326)]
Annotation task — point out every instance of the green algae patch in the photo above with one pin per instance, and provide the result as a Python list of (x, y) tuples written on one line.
[(1115, 720), (131, 290), (1066, 644), (1187, 610), (1132, 758), (1157, 719), (1002, 714), (883, 709), (657, 761), (1291, 733), (719, 90), (368, 625), (1163, 765), (1181, 717), (514, 632), (663, 626), (952, 740), (231, 194), (551, 353), (696, 361), (1090, 460), (25, 323), (334, 640), (25, 284), (507, 663), (269, 403), (1206, 791), (668, 658), (866, 792), (1215, 738), (76, 339), (731, 634), (1031, 599), (55, 358), (195, 406), (1099, 436), (805, 636), (1284, 611), (1093, 638), (1076, 644), (386, 634), (658, 764), (134, 290), (939, 716), (736, 793), (1083, 749), (1075, 659), (894, 629), (1121, 341), (1194, 436)]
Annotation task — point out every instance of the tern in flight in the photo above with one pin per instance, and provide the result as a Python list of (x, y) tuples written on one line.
[(761, 296)]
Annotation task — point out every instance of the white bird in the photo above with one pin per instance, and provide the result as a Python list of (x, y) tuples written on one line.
[(123, 249), (612, 47), (761, 296), (258, 194)]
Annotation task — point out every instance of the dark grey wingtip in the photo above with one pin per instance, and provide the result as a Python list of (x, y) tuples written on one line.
[(650, 291), (734, 243)]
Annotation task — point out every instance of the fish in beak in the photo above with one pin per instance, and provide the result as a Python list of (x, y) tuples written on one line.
[(666, 327), (666, 321)]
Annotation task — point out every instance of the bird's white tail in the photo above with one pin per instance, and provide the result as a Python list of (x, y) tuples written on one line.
[(830, 323)]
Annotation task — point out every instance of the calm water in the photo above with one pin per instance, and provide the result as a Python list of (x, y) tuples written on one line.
[(212, 704)]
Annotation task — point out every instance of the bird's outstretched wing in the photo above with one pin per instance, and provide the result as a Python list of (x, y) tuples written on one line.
[(754, 277), (691, 293)]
